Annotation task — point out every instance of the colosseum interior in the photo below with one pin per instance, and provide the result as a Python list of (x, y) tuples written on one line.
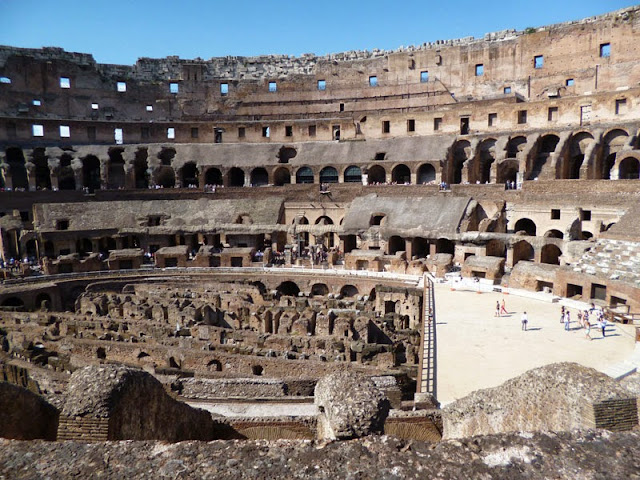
[(238, 228)]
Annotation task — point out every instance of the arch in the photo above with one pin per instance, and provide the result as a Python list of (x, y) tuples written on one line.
[(486, 157), (401, 174), (42, 172), (580, 142), (547, 145), (142, 355), (349, 291), (17, 164), (444, 245), (586, 235), (420, 247), (377, 174), (66, 176), (43, 301), (213, 176), (288, 288), (189, 174), (353, 174), (91, 173), (215, 365), (115, 169), (515, 146), (328, 175), (304, 175), (629, 169), (257, 370), (282, 176), (15, 302), (319, 290), (426, 173), (166, 177), (235, 177), (522, 251), (550, 254), (259, 177), (324, 220), (461, 152), (527, 225), (507, 171), (396, 244), (554, 234), (613, 142), (166, 156)]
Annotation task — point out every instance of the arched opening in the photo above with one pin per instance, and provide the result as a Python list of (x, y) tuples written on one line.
[(281, 177), (173, 363), (43, 301), (101, 353), (550, 254), (328, 175), (13, 302), (115, 170), (396, 244), (304, 175), (214, 365), (259, 177), (548, 145), (142, 355), (213, 176), (579, 145), (166, 177), (461, 153), (522, 251), (527, 225), (586, 235), (324, 220), (257, 370), (166, 156), (288, 288), (614, 142), (486, 157), (16, 161), (350, 243), (235, 177), (507, 171), (91, 173), (353, 174), (349, 291), (377, 219), (515, 146), (319, 290), (66, 177), (444, 245), (629, 169), (554, 234), (401, 174), (141, 169), (376, 175), (84, 246), (426, 173), (420, 247), (189, 175), (42, 173)]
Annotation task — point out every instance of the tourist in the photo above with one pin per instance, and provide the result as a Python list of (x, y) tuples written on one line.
[(587, 328), (567, 320), (562, 314), (497, 309), (503, 308), (602, 323), (525, 320)]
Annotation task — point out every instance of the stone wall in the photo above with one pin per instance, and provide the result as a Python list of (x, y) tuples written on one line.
[(25, 415)]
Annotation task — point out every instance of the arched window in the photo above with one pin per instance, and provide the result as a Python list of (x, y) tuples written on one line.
[(213, 176), (426, 173), (281, 176), (328, 175), (527, 225), (353, 174), (189, 174), (304, 175), (236, 177), (259, 177), (401, 174)]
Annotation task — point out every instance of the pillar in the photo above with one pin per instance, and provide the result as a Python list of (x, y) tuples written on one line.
[(104, 173)]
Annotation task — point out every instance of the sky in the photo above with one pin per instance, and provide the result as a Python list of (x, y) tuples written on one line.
[(120, 31)]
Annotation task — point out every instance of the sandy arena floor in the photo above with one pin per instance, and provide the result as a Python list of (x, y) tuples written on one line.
[(478, 350)]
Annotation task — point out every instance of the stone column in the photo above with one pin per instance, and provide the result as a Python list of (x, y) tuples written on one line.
[(31, 169), (5, 172), (104, 173), (54, 170), (76, 166)]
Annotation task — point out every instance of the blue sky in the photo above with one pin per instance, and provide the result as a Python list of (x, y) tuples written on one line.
[(120, 31)]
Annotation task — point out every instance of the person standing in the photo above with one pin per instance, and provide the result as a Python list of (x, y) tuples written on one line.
[(503, 308), (562, 314), (587, 328), (525, 320), (567, 320), (497, 309)]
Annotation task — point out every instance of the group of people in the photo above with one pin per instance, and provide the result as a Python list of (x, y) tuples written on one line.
[(584, 320)]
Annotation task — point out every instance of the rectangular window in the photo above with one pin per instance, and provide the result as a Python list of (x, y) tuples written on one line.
[(342, 107), (91, 133), (506, 90), (65, 82), (266, 132), (273, 87), (522, 116), (36, 103), (424, 76), (373, 81), (37, 130), (621, 106), (322, 85), (386, 126), (149, 108), (492, 119), (288, 131), (241, 132), (5, 80), (555, 214), (173, 88), (464, 125), (569, 82), (65, 131), (224, 89), (118, 135), (95, 106), (605, 50), (121, 87), (217, 135), (144, 133), (552, 114), (586, 215), (479, 70), (171, 132), (411, 125), (62, 225), (195, 132), (312, 130), (437, 123), (538, 61)]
